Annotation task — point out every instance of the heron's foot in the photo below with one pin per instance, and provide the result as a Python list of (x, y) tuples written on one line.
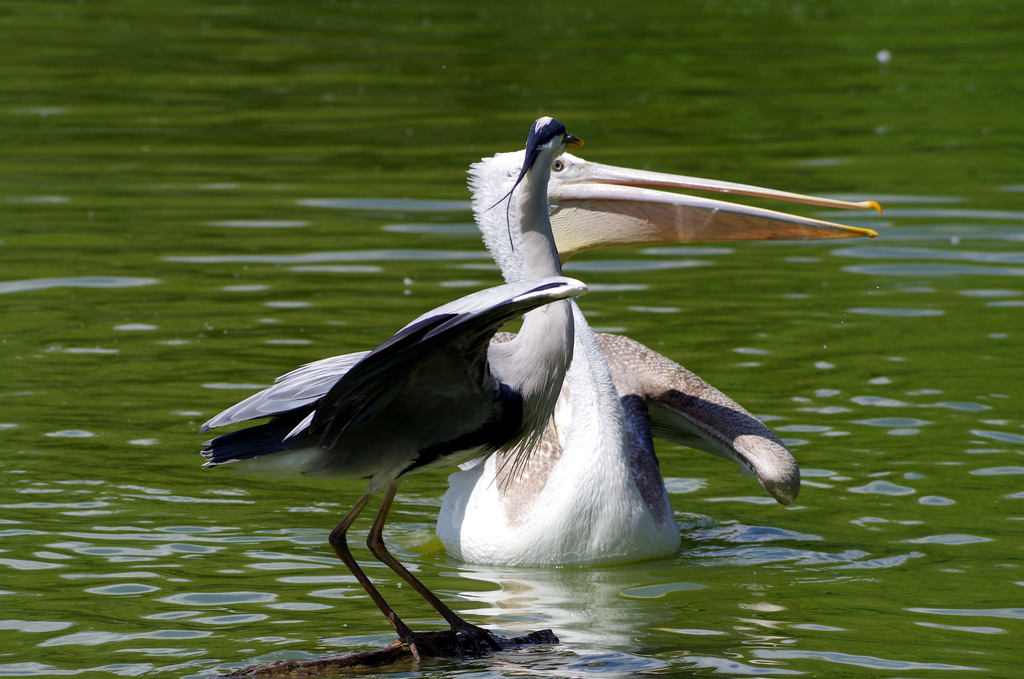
[(464, 638), (421, 644), (477, 638)]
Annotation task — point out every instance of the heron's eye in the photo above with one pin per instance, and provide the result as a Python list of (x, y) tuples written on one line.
[(558, 165)]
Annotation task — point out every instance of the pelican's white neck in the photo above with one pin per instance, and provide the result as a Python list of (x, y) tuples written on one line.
[(489, 180)]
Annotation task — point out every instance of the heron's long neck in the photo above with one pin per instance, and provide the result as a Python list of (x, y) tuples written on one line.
[(540, 255), (545, 340)]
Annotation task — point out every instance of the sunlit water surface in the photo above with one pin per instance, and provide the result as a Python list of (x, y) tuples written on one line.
[(198, 199)]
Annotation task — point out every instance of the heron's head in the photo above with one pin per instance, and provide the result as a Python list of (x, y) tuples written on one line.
[(549, 139)]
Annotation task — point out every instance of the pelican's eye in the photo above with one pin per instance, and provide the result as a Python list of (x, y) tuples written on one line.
[(558, 165)]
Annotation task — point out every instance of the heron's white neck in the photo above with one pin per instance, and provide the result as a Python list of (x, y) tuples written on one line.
[(536, 361), (547, 331), (540, 256)]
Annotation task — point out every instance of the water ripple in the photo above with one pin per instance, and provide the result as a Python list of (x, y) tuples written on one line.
[(260, 223), (883, 562), (965, 406), (895, 311), (1015, 613), (34, 626), (123, 589), (893, 422), (434, 229), (883, 488), (1003, 436), (687, 250), (631, 265), (951, 539), (883, 252), (338, 268), (882, 402), (659, 591), (388, 204), (910, 269), (754, 534), (867, 661), (958, 213), (95, 638), (998, 471), (396, 255), (730, 667), (936, 500), (958, 628), (29, 565), (678, 485), (35, 284), (219, 598)]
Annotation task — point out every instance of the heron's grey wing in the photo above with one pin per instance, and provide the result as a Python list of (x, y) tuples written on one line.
[(301, 387), (685, 409), (455, 335)]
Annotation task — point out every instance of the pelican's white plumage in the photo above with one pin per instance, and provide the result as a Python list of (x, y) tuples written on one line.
[(594, 493)]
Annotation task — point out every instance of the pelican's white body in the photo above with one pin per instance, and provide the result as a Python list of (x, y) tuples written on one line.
[(588, 511)]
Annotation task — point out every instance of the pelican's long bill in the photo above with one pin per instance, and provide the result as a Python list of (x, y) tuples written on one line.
[(599, 205)]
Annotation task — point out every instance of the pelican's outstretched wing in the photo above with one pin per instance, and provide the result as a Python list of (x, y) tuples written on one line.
[(684, 409)]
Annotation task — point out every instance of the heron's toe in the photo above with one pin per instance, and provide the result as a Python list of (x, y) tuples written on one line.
[(477, 638)]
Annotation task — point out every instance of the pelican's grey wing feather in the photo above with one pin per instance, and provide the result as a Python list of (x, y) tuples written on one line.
[(685, 409), (302, 386)]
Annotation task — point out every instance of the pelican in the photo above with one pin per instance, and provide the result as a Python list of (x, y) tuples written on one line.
[(593, 492), (435, 394)]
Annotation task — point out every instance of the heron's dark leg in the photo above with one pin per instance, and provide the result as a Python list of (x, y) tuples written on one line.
[(478, 636), (340, 545)]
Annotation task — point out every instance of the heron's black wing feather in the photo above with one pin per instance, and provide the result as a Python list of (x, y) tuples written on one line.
[(251, 442), (456, 334)]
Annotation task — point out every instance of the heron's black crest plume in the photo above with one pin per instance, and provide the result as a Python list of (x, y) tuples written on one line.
[(543, 131)]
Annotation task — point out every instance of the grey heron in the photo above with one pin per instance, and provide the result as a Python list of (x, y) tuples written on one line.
[(593, 492), (435, 394)]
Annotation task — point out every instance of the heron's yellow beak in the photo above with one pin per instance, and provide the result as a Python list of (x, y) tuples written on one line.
[(572, 141)]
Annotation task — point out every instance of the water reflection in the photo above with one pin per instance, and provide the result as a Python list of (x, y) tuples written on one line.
[(583, 604)]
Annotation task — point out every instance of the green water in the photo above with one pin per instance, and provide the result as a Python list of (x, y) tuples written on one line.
[(181, 220)]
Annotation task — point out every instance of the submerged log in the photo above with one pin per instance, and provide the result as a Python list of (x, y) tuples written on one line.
[(445, 644)]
